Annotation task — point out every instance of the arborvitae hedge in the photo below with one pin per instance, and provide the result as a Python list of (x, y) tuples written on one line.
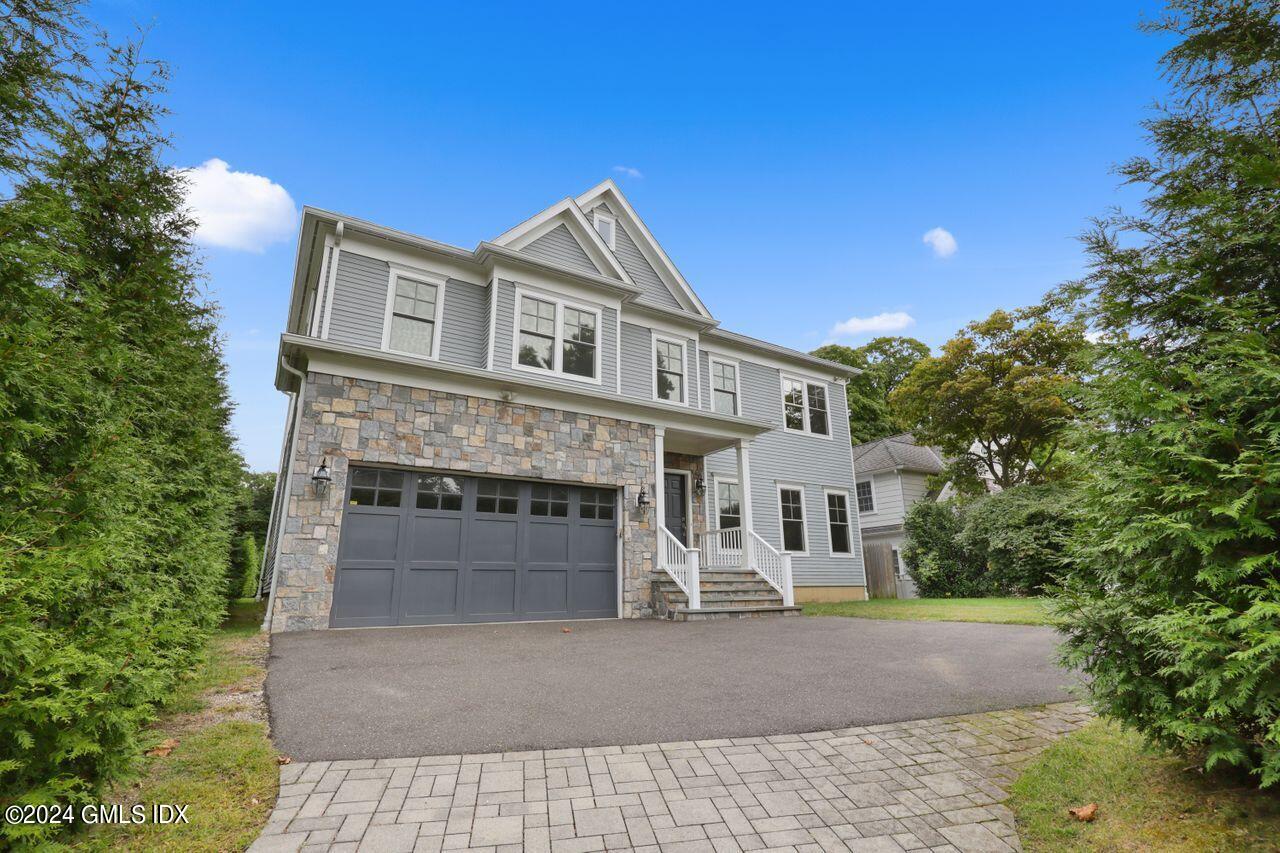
[(116, 464)]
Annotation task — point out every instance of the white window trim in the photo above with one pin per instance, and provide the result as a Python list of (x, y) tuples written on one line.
[(848, 511), (596, 217), (804, 384), (900, 568), (712, 361), (653, 372), (557, 347), (804, 518), (875, 498), (440, 282), (716, 480)]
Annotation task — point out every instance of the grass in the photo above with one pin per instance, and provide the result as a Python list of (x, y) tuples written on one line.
[(1002, 611), (224, 767), (1147, 799)]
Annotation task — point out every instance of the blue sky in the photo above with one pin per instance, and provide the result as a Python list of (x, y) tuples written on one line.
[(790, 158)]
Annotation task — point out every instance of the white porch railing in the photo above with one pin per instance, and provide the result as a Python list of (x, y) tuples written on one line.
[(722, 548), (682, 564), (772, 565)]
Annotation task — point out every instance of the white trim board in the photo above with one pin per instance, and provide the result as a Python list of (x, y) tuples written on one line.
[(654, 338), (804, 516), (557, 341), (436, 280), (850, 517)]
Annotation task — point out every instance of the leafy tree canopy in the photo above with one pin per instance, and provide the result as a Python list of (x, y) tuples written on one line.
[(884, 363), (998, 396)]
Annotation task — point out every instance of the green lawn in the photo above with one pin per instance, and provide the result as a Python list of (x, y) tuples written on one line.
[(223, 766), (1146, 800), (1003, 611)]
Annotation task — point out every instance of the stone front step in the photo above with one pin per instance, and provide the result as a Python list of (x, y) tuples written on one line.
[(725, 594), (684, 614)]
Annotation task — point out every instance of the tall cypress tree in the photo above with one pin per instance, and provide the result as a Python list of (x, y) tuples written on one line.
[(1173, 609), (118, 472)]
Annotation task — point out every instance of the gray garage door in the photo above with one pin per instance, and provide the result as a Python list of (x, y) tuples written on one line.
[(421, 549)]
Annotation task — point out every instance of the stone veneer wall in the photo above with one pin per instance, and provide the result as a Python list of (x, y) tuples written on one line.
[(357, 420)]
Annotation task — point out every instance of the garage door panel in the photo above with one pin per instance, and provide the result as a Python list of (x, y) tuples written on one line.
[(546, 592), (596, 592), (436, 539), (548, 543), (470, 549), (429, 594), (491, 593), (364, 595), (370, 536)]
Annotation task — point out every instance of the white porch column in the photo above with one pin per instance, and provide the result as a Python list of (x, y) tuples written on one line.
[(659, 496), (744, 488)]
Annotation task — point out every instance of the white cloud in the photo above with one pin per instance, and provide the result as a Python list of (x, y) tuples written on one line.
[(943, 243), (888, 322), (628, 171), (238, 210)]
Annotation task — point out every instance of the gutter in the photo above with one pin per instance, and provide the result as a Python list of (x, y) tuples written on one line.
[(286, 471)]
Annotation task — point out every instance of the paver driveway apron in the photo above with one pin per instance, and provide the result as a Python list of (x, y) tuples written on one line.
[(931, 784)]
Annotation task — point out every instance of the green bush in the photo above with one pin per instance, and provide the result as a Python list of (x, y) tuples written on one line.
[(937, 563), (116, 464), (1020, 536)]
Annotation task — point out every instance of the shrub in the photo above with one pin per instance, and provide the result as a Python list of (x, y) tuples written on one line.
[(934, 557), (1020, 536)]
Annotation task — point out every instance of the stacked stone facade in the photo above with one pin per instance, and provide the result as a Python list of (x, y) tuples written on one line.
[(347, 420)]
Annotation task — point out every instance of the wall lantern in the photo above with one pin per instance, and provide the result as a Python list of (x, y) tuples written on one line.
[(699, 486), (322, 477), (642, 502)]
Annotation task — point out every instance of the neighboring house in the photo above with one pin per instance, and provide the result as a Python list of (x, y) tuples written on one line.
[(892, 474), (551, 425)]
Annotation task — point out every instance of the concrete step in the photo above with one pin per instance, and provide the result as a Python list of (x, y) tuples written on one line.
[(684, 614)]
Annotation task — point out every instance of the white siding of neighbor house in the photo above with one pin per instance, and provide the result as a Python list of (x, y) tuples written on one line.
[(915, 487), (504, 343), (811, 461), (888, 503), (558, 246)]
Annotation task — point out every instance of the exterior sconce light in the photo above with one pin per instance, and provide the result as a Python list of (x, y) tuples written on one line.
[(321, 478), (642, 503), (699, 486)]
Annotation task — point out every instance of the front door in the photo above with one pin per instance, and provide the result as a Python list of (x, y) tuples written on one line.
[(675, 506)]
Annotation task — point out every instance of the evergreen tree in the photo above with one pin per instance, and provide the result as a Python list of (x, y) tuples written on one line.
[(118, 470), (1173, 607)]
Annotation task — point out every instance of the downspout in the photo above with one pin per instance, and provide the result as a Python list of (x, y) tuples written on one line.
[(286, 471)]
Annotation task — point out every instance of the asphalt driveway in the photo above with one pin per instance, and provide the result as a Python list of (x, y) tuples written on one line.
[(386, 693)]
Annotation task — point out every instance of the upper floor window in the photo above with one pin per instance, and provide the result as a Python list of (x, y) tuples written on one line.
[(414, 315), (558, 337), (669, 370), (804, 406), (866, 496), (607, 228), (724, 387)]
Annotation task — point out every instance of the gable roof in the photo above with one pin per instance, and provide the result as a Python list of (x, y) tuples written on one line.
[(894, 452), (566, 213), (652, 251)]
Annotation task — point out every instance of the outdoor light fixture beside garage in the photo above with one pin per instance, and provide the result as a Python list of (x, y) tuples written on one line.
[(322, 478)]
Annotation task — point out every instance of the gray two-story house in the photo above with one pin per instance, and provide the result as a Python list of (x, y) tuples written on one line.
[(551, 425)]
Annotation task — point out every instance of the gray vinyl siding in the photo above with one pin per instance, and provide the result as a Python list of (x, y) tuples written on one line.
[(637, 361), (633, 261), (504, 341), (559, 247), (810, 461), (359, 300), (464, 335)]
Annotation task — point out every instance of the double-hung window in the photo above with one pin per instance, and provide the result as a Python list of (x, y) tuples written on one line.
[(724, 387), (838, 523), (728, 504), (866, 496), (804, 406), (413, 316), (558, 337), (669, 370), (791, 507)]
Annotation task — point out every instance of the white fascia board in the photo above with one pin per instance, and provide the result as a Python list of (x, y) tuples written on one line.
[(723, 349), (649, 247), (557, 285), (568, 213), (407, 259), (659, 323), (379, 366), (765, 353)]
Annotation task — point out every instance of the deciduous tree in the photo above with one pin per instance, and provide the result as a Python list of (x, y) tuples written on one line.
[(884, 363)]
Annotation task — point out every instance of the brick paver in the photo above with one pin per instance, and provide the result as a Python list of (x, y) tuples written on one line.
[(931, 785)]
